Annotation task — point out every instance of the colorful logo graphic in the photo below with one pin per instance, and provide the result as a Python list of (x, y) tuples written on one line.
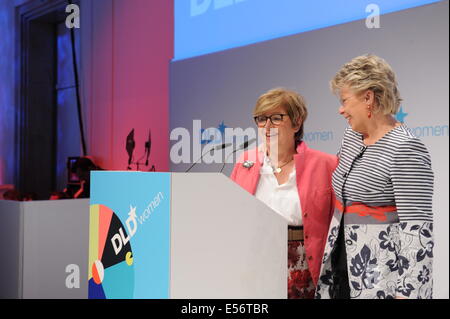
[(111, 269), (129, 235)]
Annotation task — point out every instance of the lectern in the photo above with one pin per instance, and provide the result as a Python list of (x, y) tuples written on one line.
[(145, 235), (44, 246), (182, 235)]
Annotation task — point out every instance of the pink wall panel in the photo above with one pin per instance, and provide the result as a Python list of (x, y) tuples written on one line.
[(143, 47), (100, 105), (126, 74), (126, 47)]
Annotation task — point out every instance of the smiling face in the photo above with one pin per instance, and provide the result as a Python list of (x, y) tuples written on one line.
[(354, 108), (282, 133), (285, 107)]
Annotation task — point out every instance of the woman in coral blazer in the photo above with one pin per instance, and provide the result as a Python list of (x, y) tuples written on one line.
[(293, 180)]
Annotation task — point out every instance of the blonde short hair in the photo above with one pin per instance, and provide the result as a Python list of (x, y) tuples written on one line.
[(370, 72), (293, 103)]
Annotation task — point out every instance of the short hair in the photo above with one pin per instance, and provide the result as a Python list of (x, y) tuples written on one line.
[(293, 103), (370, 72)]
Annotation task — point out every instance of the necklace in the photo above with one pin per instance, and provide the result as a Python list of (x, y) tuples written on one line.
[(278, 169)]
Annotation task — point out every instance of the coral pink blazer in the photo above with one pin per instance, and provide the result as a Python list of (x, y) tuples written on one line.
[(313, 169)]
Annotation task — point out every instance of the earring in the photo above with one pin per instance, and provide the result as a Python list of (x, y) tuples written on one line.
[(369, 114)]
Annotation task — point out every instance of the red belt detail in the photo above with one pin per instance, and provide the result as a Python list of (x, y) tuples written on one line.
[(377, 212)]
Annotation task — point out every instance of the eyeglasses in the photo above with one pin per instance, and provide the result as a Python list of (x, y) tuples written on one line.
[(275, 119)]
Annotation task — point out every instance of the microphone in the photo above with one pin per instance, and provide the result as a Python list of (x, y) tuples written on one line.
[(221, 146), (358, 156), (243, 146), (362, 150), (215, 148)]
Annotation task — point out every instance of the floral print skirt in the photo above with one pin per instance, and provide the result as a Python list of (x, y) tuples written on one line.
[(300, 283)]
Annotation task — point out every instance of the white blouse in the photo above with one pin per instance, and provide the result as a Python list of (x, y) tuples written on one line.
[(283, 198)]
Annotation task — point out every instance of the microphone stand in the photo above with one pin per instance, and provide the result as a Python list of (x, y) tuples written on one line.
[(225, 162), (244, 146), (217, 148)]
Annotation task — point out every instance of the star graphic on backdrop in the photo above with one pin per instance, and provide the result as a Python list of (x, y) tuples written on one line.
[(132, 212), (222, 127), (203, 141), (400, 116)]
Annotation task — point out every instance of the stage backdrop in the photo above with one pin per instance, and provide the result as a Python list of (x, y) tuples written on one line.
[(220, 90)]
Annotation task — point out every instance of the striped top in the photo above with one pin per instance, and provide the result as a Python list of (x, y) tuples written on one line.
[(396, 170)]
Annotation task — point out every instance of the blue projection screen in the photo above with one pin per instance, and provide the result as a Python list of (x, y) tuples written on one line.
[(206, 26)]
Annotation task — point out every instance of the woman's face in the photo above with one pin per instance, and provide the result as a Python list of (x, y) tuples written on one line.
[(280, 134), (354, 109)]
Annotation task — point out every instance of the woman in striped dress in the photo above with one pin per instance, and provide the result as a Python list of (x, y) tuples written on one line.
[(380, 241)]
